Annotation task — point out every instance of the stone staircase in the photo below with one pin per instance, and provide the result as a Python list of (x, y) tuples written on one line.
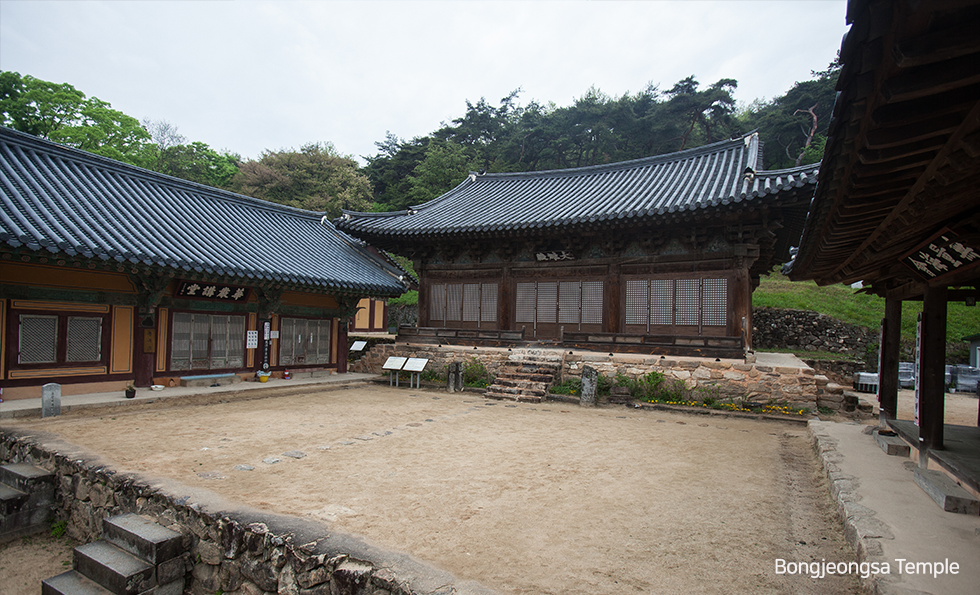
[(134, 557), (525, 376), (26, 496)]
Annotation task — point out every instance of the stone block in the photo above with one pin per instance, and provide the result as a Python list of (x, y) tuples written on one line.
[(946, 493), (148, 540), (892, 445)]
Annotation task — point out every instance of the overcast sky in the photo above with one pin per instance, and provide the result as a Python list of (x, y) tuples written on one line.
[(250, 76)]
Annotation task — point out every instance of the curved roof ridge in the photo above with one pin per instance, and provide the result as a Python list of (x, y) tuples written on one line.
[(81, 156), (628, 164)]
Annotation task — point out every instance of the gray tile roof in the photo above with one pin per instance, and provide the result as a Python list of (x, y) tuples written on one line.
[(63, 201), (654, 189)]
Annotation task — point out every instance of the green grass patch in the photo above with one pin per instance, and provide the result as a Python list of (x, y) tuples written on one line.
[(847, 305)]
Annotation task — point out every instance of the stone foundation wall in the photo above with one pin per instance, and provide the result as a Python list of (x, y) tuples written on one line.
[(802, 330), (722, 380), (237, 553)]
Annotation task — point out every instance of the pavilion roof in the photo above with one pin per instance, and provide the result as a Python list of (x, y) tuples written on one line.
[(900, 171)]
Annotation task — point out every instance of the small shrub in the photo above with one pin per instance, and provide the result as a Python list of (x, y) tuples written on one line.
[(475, 374), (570, 386), (654, 388), (434, 375), (58, 528)]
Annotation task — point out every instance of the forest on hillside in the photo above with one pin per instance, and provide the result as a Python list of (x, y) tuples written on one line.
[(507, 136)]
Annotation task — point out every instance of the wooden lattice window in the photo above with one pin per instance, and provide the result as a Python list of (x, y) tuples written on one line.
[(60, 339), (472, 303), (676, 302), (207, 342), (304, 341), (566, 303)]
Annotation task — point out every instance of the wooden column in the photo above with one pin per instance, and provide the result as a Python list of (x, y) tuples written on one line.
[(506, 301), (932, 371), (612, 317), (342, 327), (742, 303), (423, 295), (144, 353), (891, 333)]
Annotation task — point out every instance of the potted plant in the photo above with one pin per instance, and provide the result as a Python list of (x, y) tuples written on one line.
[(130, 391)]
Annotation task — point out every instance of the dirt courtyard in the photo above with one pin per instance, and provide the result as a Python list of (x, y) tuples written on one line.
[(524, 498)]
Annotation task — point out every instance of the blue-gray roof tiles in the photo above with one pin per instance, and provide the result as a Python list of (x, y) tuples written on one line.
[(649, 189), (66, 201)]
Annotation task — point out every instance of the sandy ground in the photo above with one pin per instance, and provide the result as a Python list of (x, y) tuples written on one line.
[(27, 561), (960, 408), (525, 498)]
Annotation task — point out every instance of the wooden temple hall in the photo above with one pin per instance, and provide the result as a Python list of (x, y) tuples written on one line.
[(897, 203), (655, 255)]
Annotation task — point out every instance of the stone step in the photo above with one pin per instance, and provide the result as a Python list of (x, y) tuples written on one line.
[(72, 583), (490, 394), (115, 569), (526, 375), (947, 494), (26, 496), (522, 383), (891, 444), (145, 539), (544, 368), (35, 481), (11, 500)]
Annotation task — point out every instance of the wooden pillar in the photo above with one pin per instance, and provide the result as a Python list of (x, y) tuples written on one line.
[(891, 333), (423, 298), (741, 310), (612, 317), (506, 301), (342, 345), (144, 353), (932, 371)]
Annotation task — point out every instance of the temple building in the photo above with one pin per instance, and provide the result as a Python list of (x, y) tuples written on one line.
[(654, 255), (111, 275)]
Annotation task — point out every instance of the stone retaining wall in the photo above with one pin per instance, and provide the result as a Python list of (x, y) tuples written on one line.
[(237, 553), (803, 330), (701, 377)]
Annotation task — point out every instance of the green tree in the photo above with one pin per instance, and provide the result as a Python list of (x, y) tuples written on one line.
[(446, 164), (787, 122), (315, 178), (194, 161), (390, 169), (63, 114)]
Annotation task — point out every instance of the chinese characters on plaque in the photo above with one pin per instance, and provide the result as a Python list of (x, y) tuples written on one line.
[(554, 255), (212, 291), (940, 256)]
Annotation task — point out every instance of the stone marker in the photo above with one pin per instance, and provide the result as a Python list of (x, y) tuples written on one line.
[(590, 383), (454, 377), (51, 399)]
